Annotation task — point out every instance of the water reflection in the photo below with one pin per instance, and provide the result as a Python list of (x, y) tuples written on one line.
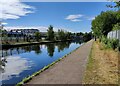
[(61, 46), (20, 50), (50, 49), (12, 66), (20, 62), (37, 48)]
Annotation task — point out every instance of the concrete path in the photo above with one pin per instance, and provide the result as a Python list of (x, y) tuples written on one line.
[(70, 70)]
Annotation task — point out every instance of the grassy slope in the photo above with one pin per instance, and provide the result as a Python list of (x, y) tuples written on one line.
[(102, 67)]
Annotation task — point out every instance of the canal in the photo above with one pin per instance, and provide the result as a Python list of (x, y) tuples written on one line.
[(18, 63)]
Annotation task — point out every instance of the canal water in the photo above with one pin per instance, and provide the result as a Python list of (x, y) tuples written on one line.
[(18, 63)]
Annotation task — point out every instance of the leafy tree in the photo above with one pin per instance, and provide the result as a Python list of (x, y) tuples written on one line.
[(68, 35), (87, 36), (61, 35), (79, 34), (50, 33), (37, 36), (103, 23), (116, 26), (117, 5)]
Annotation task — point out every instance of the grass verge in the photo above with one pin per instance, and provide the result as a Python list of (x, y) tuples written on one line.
[(102, 66)]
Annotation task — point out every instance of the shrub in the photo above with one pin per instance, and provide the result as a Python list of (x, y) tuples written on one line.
[(104, 40), (114, 43), (110, 43)]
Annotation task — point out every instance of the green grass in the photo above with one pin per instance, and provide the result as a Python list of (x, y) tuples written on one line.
[(27, 79), (91, 60), (89, 66)]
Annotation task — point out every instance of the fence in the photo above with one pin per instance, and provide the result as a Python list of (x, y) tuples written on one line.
[(114, 35)]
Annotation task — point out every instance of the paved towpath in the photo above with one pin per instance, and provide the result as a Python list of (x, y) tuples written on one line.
[(69, 70)]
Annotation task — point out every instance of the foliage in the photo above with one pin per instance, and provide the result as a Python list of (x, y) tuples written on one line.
[(79, 34), (37, 36), (87, 36), (110, 43), (3, 33), (68, 35), (116, 26), (63, 35), (103, 23), (117, 5), (50, 33)]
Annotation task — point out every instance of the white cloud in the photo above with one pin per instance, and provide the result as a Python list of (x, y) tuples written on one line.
[(90, 18), (14, 9), (74, 18), (40, 28)]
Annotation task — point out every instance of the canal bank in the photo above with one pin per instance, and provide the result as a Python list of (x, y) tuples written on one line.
[(68, 71), (7, 46)]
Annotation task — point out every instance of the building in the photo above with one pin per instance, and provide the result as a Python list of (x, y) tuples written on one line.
[(23, 32)]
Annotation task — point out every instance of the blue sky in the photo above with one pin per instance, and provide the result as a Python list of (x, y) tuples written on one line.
[(72, 16)]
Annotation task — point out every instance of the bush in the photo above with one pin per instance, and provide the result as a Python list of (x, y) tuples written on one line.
[(114, 43), (110, 43), (104, 40)]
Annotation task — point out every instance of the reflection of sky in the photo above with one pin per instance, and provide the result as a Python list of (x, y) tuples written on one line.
[(15, 65), (24, 64)]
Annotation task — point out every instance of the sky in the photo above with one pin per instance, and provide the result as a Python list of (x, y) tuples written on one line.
[(70, 16)]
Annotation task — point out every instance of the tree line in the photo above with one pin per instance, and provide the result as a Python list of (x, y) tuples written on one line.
[(105, 22), (50, 35)]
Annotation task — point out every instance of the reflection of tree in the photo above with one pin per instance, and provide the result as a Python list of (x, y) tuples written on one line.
[(79, 42), (20, 50), (50, 49), (27, 48), (37, 49), (62, 45)]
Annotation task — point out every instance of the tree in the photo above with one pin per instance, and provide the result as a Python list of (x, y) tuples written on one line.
[(79, 34), (103, 23), (68, 35), (117, 5), (37, 36), (87, 36), (116, 26), (61, 35), (50, 33)]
